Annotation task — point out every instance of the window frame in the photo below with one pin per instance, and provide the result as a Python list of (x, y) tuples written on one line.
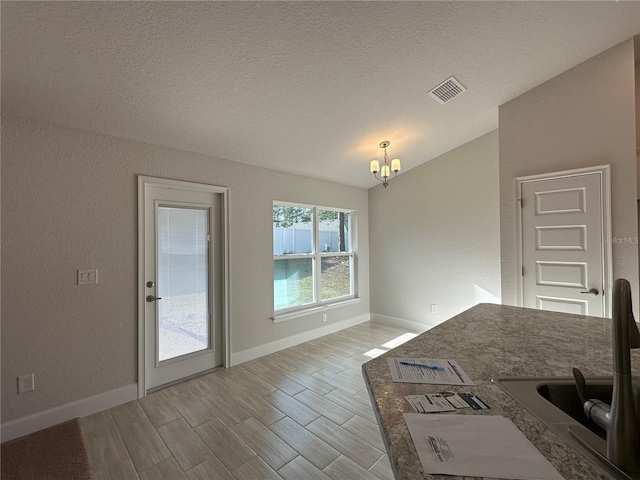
[(316, 265)]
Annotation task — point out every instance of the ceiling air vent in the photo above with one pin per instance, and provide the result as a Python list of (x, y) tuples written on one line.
[(447, 90)]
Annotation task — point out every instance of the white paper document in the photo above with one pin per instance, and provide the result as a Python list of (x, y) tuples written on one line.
[(430, 403), (476, 446), (436, 371)]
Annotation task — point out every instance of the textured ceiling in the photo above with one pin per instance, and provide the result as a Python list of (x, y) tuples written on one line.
[(303, 87)]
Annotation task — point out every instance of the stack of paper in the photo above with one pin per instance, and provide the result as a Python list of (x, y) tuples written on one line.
[(476, 446)]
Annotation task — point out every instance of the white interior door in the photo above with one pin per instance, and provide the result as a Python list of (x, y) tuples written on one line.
[(182, 282), (564, 254)]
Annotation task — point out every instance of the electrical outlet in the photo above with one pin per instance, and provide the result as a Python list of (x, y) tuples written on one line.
[(434, 308), (26, 383), (324, 317)]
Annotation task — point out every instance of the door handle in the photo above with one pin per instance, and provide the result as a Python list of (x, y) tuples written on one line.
[(151, 298), (593, 291)]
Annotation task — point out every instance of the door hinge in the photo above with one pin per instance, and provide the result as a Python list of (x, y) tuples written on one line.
[(523, 271), (208, 237), (521, 202)]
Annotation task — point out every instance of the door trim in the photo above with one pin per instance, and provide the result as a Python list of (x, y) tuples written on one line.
[(143, 182), (605, 184)]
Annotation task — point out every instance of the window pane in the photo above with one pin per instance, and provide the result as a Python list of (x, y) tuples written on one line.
[(292, 230), (293, 285), (183, 312), (335, 231), (335, 279)]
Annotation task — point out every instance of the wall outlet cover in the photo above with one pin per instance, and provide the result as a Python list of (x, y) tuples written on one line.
[(26, 383)]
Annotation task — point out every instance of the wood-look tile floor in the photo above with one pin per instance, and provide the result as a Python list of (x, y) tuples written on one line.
[(301, 413)]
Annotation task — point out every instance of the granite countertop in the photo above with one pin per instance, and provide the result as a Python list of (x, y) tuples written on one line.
[(492, 341)]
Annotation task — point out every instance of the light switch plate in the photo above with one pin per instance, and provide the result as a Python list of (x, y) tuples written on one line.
[(88, 276)]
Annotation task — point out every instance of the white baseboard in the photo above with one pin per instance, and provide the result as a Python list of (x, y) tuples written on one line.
[(293, 340), (400, 322), (80, 408)]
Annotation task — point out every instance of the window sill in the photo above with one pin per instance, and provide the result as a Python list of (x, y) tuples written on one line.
[(283, 317)]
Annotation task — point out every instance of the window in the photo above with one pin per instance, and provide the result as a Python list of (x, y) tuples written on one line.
[(312, 256)]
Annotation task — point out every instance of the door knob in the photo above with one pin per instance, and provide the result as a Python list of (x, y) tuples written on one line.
[(593, 291), (151, 298)]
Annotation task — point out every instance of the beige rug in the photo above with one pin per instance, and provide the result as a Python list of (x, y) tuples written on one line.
[(54, 453)]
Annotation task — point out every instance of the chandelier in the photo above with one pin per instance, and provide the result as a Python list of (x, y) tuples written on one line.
[(385, 170)]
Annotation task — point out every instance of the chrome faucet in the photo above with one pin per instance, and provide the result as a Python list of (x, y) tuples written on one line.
[(620, 420)]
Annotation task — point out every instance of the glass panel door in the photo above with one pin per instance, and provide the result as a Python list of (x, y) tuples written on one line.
[(182, 284)]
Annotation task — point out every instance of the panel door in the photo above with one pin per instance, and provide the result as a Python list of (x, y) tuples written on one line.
[(562, 244)]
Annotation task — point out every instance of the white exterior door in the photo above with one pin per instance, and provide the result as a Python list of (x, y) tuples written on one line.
[(564, 252), (182, 282)]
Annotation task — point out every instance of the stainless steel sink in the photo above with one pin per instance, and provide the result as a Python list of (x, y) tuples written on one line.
[(555, 402)]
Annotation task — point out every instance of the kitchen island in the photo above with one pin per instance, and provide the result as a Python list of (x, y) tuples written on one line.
[(491, 341)]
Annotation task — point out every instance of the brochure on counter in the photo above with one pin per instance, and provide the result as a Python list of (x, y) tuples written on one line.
[(446, 402), (434, 371)]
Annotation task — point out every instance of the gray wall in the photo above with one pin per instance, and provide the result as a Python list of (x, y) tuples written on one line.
[(581, 118), (434, 235), (636, 44), (69, 201)]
